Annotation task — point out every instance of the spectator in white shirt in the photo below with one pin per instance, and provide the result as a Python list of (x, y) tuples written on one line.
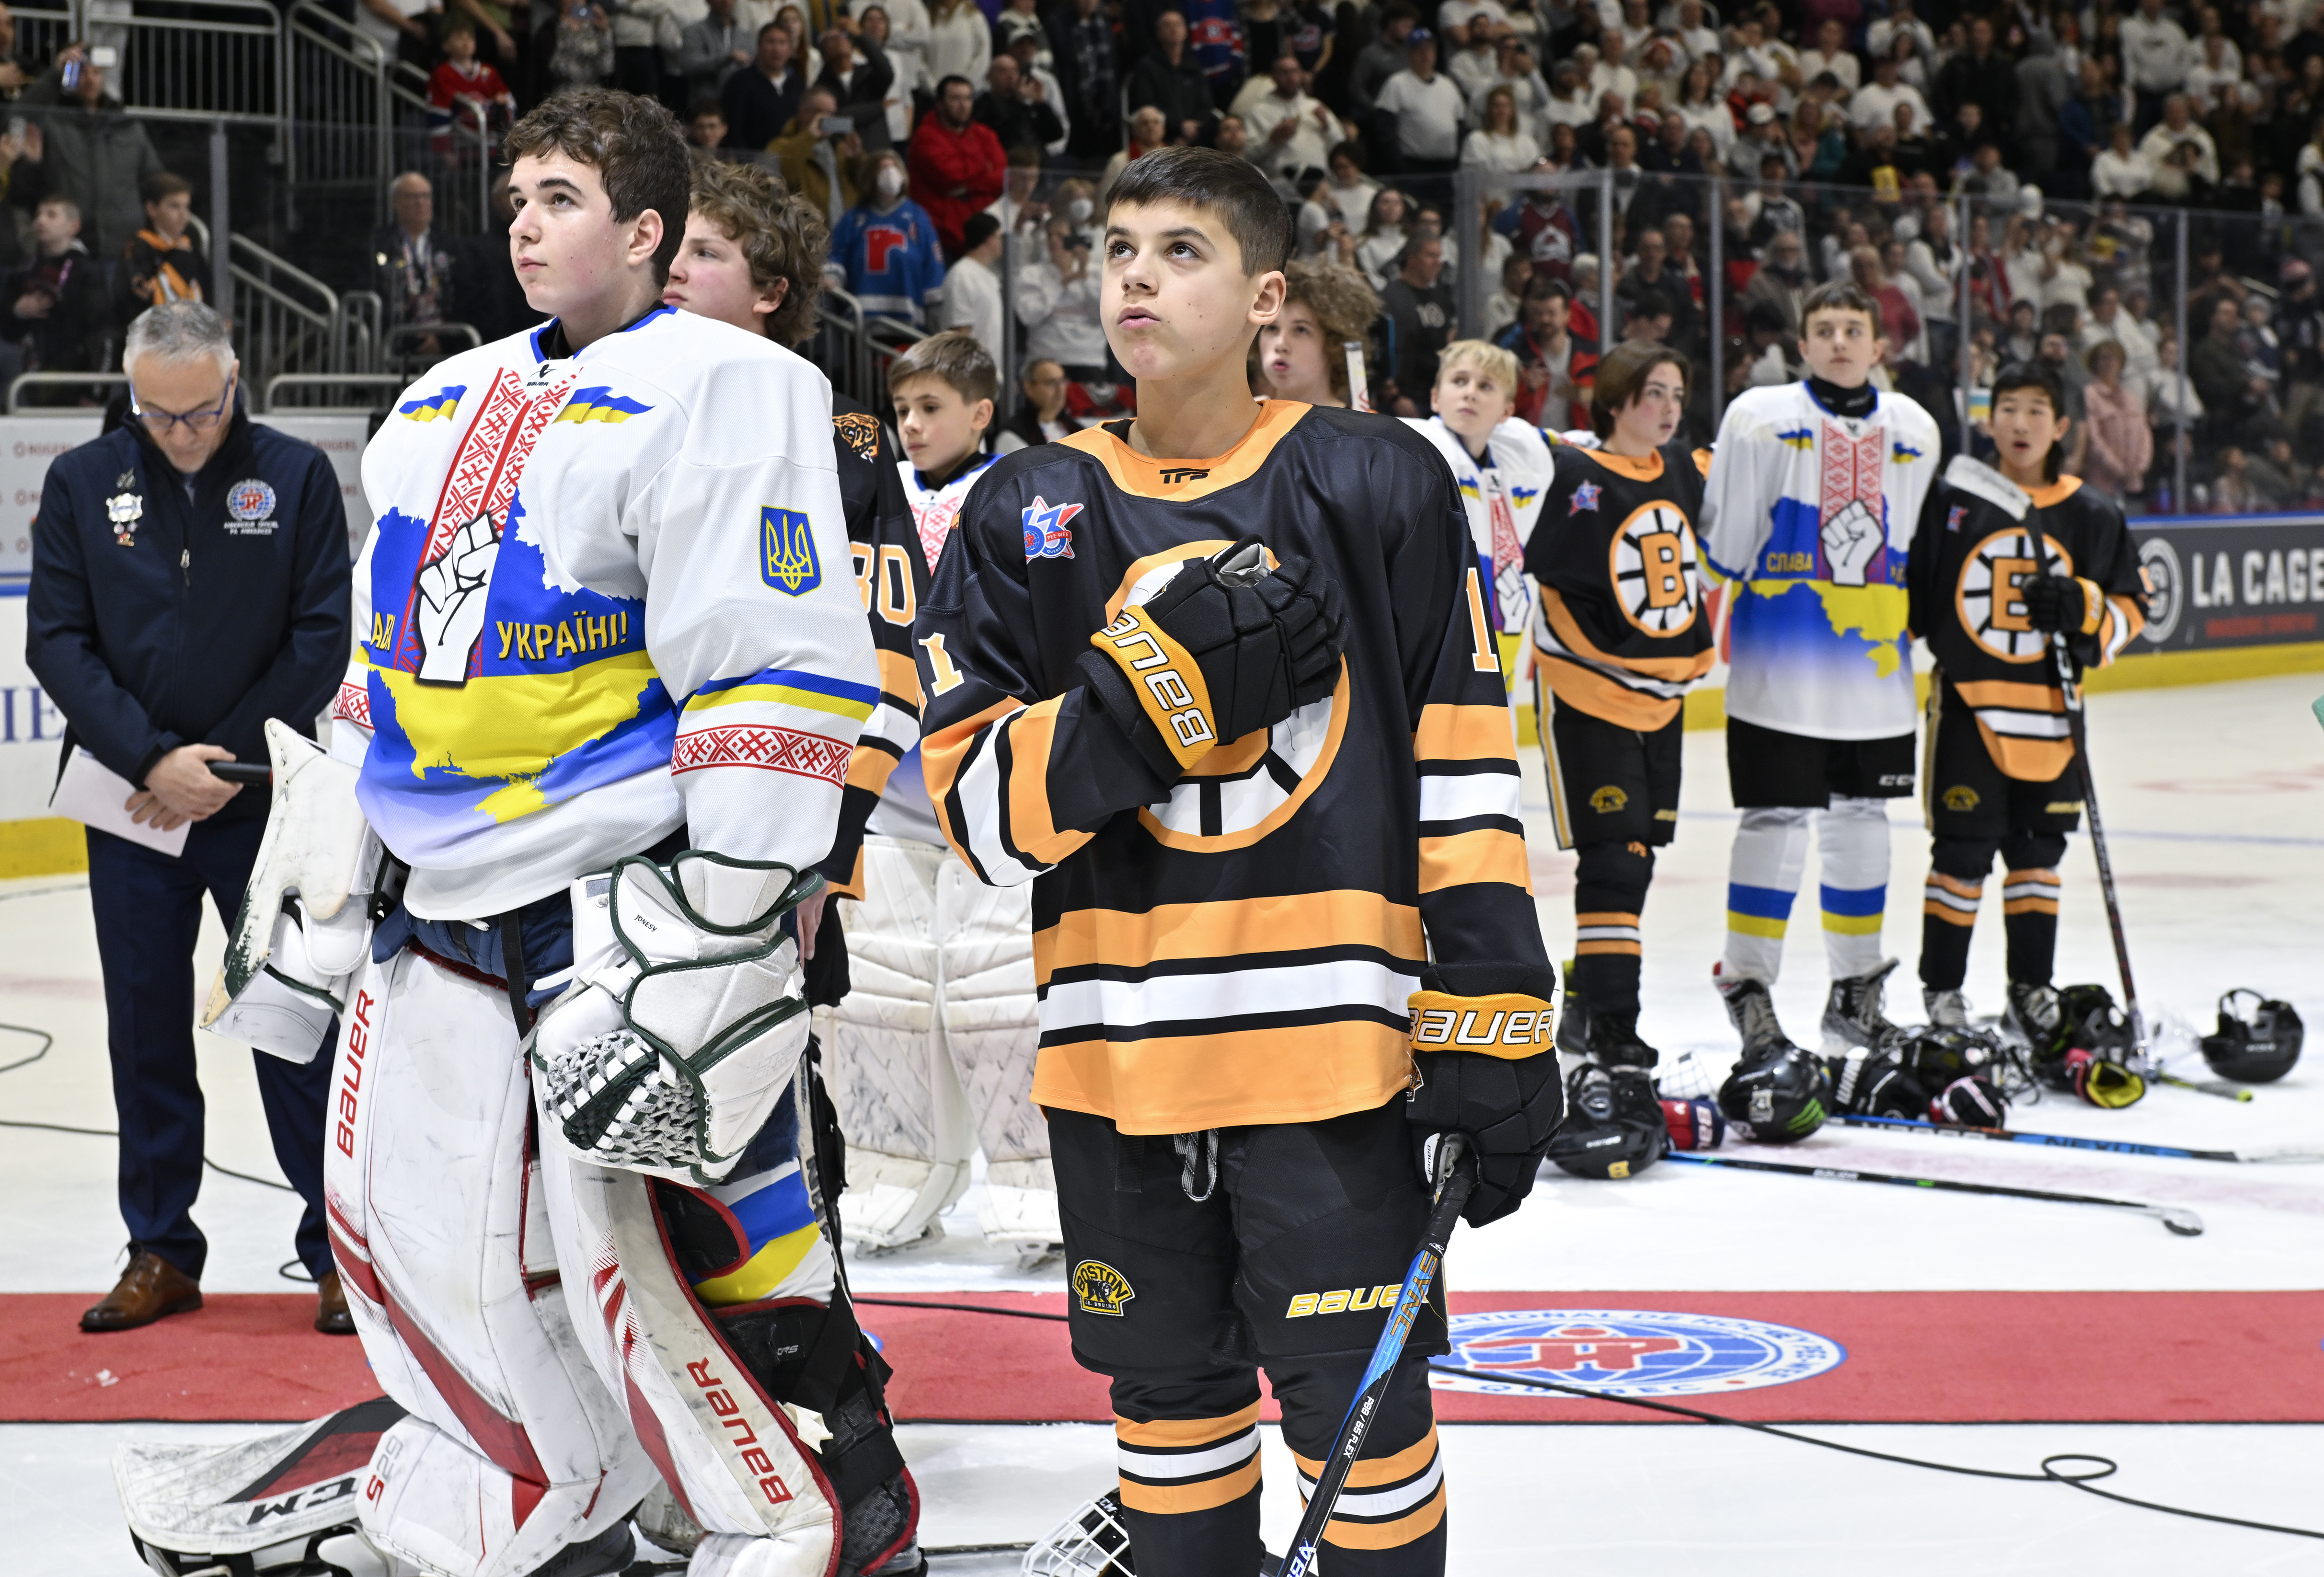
[(1289, 130), (1457, 16), (2218, 77), (2108, 319), (1473, 65), (1568, 106), (1880, 37), (1770, 60), (1514, 69), (2122, 171), (1609, 73), (2156, 57), (1874, 104), (1832, 54), (1501, 142), (1058, 303), (1695, 36), (1350, 191), (1427, 106), (1382, 241), (2179, 125), (1701, 106), (972, 287)]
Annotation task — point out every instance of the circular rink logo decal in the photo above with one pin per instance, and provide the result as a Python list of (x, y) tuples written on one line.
[(1632, 1352)]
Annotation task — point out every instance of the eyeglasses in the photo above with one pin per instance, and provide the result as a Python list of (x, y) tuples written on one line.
[(161, 423)]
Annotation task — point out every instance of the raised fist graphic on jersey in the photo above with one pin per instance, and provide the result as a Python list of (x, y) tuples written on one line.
[(452, 595), (1852, 539)]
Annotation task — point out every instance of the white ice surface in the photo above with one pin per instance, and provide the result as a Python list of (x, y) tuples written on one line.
[(2215, 797)]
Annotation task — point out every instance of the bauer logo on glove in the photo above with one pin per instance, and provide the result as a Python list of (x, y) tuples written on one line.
[(685, 1017), (1501, 1026)]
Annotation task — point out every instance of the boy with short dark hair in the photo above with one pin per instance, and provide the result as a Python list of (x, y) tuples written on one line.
[(1266, 793), (160, 264), (1991, 598), (54, 306), (1812, 496)]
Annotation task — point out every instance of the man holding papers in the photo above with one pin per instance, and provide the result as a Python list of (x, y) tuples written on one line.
[(189, 581)]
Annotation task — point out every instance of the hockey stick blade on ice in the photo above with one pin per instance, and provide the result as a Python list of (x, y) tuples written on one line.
[(2115, 1146), (2185, 1223), (1419, 1278)]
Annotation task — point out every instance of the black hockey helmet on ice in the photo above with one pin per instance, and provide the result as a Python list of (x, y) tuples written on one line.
[(1781, 1094), (2257, 1049)]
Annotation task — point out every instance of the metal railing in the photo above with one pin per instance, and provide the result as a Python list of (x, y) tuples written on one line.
[(385, 387), (24, 381), (208, 59)]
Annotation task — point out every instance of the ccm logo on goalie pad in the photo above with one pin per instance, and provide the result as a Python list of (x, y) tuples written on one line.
[(1504, 1026), (1170, 683), (743, 1438)]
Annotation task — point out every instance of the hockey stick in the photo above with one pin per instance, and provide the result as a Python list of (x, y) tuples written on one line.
[(1986, 482), (2185, 1223), (1418, 1280), (2219, 1087), (2119, 1146)]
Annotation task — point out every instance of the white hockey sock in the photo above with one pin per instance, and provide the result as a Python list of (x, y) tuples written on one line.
[(1763, 876), (1852, 847)]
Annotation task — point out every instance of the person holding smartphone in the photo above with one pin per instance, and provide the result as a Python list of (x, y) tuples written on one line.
[(83, 147)]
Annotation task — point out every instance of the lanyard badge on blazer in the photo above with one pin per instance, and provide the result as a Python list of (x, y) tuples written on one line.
[(125, 509)]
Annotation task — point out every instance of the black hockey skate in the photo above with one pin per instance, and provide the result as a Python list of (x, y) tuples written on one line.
[(2032, 1015), (1947, 1010), (1608, 1039), (1852, 1015), (1753, 1012)]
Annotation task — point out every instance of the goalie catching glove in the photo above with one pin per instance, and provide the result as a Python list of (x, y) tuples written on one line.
[(1224, 648), (1484, 1067), (305, 920), (686, 1017)]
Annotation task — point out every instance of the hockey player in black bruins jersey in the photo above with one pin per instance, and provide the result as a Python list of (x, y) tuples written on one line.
[(1617, 639), (2000, 773), (1240, 718)]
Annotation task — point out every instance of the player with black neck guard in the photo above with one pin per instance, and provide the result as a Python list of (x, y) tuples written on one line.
[(1219, 682), (1814, 490)]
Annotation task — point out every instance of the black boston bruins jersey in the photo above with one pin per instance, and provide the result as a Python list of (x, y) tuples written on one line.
[(1236, 947), (1968, 559), (891, 576), (1621, 632)]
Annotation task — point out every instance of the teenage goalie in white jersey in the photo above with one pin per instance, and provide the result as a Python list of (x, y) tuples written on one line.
[(612, 667), (1809, 512)]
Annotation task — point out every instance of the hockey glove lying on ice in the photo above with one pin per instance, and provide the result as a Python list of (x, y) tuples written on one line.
[(686, 1017), (1223, 649), (288, 964), (1481, 1043)]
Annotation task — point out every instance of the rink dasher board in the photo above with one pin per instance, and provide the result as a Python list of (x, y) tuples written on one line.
[(2224, 581)]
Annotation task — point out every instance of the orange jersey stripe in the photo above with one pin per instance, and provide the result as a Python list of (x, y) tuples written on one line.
[(1229, 930), (1170, 1433), (1177, 1084), (1464, 733), (1487, 854), (1372, 1472)]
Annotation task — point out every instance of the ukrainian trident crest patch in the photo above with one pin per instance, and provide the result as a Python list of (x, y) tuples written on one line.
[(787, 558)]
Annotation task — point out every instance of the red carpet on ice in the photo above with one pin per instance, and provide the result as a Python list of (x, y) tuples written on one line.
[(1920, 1357)]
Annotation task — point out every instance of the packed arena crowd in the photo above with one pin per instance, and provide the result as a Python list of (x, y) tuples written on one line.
[(2135, 197)]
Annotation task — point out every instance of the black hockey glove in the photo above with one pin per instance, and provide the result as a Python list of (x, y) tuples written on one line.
[(2054, 603), (1225, 650), (1480, 1041)]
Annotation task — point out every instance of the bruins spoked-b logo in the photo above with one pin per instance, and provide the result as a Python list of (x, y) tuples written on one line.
[(1651, 561), (1990, 598), (1103, 1289)]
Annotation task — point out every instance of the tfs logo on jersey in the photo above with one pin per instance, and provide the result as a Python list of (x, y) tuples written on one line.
[(1046, 536)]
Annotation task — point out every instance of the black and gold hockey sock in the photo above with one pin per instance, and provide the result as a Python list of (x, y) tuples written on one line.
[(1609, 890)]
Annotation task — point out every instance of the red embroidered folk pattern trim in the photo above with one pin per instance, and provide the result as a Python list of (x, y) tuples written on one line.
[(483, 474), (761, 745), (353, 705)]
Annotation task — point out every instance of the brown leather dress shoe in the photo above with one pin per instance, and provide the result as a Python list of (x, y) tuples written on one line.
[(149, 1289), (331, 1316)]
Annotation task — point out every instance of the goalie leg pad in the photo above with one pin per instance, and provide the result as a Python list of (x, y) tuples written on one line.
[(441, 1239), (900, 1101), (762, 1416)]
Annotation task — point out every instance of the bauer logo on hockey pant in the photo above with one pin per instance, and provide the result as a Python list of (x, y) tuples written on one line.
[(1345, 1300), (738, 1433), (1101, 1289), (1046, 536), (1510, 1024), (787, 560), (1632, 1352)]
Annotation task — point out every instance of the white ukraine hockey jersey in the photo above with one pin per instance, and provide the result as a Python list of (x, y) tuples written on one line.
[(609, 595), (1503, 499), (1810, 518)]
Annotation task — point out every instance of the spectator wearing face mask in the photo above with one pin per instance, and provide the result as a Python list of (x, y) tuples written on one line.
[(884, 251)]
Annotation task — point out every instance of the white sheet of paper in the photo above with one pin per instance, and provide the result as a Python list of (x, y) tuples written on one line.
[(93, 795)]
